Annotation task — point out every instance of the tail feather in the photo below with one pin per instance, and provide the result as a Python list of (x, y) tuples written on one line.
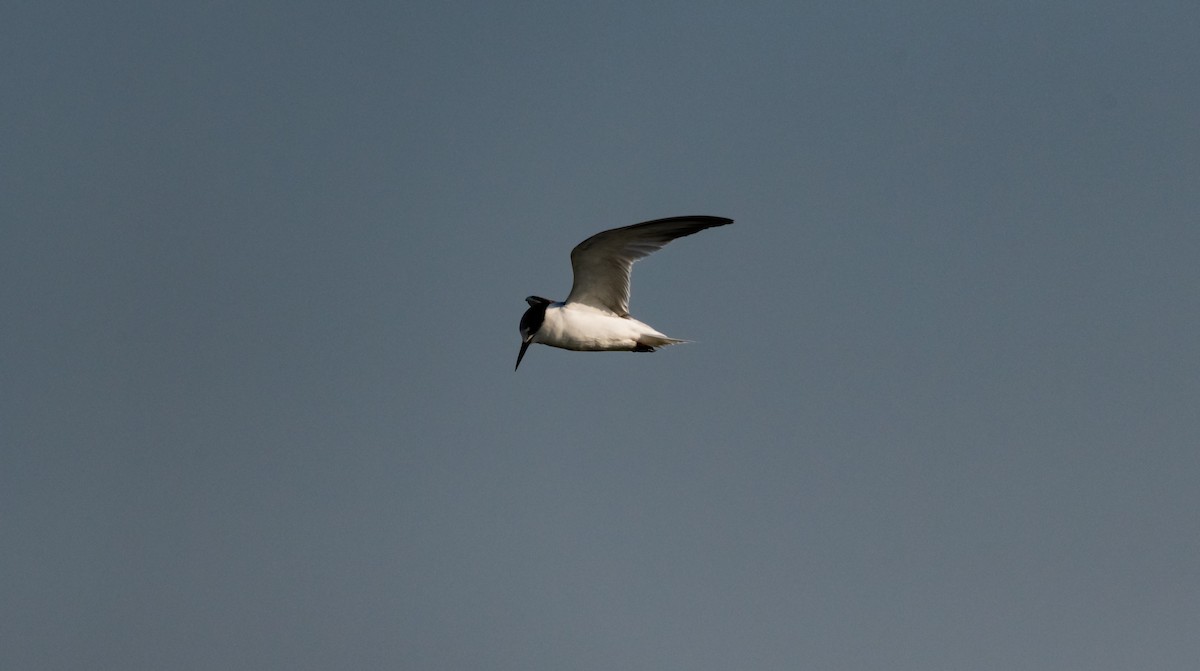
[(648, 343)]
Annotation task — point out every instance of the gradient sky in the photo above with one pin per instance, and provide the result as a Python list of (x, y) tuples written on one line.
[(262, 269)]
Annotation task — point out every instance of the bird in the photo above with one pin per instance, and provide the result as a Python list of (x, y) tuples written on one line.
[(595, 317)]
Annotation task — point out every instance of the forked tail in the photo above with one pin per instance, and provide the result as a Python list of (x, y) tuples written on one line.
[(649, 343)]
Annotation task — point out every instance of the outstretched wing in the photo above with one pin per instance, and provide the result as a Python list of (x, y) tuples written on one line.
[(602, 263)]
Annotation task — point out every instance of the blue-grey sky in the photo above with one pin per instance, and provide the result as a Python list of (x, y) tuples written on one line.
[(263, 264)]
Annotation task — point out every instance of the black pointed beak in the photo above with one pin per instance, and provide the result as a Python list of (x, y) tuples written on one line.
[(524, 346)]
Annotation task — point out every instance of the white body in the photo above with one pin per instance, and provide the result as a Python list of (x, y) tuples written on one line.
[(581, 327)]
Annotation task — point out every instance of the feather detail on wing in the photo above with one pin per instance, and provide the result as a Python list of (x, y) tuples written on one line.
[(602, 264)]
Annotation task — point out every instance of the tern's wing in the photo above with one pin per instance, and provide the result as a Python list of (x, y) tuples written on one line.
[(603, 262)]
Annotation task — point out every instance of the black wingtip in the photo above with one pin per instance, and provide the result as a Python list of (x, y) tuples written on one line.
[(706, 219)]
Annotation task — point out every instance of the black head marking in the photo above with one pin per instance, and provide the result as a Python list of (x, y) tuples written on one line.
[(531, 321)]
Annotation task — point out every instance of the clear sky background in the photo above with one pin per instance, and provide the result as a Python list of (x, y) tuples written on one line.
[(262, 266)]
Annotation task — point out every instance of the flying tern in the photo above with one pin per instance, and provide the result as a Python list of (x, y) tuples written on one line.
[(595, 316)]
